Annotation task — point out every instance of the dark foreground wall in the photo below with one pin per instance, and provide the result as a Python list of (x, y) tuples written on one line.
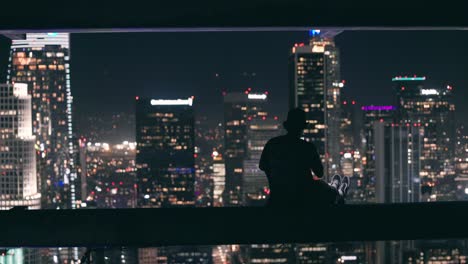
[(94, 15), (209, 226)]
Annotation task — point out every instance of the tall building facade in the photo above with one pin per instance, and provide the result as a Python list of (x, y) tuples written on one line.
[(18, 178), (315, 86), (398, 149), (350, 126), (165, 152), (461, 163), (17, 154), (432, 108), (42, 61), (351, 153), (239, 110), (255, 183), (372, 114), (219, 178), (165, 160)]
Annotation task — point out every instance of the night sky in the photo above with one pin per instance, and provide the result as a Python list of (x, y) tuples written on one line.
[(109, 70)]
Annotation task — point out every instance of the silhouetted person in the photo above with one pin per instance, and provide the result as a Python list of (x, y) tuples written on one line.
[(289, 161)]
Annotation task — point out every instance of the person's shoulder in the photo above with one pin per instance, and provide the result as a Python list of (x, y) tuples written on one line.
[(276, 140)]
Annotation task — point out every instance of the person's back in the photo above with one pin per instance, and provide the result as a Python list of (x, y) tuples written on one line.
[(288, 162)]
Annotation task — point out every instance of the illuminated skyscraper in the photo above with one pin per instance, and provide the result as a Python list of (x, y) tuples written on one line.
[(461, 163), (239, 109), (315, 86), (255, 183), (372, 114), (219, 179), (17, 155), (351, 151), (432, 108), (350, 126), (165, 152), (398, 149), (41, 60), (165, 163), (398, 162), (18, 176)]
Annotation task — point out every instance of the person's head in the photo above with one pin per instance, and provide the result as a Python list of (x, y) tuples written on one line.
[(296, 121)]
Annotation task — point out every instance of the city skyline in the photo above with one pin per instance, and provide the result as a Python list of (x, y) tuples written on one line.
[(101, 65)]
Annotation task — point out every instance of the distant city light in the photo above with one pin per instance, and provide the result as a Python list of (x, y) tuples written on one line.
[(347, 155), (429, 92), (257, 96), (378, 108), (188, 101), (314, 32), (318, 49), (348, 258), (408, 79)]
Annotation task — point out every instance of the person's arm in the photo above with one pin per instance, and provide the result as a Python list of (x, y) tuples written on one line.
[(316, 162)]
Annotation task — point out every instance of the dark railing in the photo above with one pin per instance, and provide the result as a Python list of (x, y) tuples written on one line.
[(211, 226)]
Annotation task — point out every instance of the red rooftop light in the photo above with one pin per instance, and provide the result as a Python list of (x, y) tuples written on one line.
[(353, 102), (137, 97)]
